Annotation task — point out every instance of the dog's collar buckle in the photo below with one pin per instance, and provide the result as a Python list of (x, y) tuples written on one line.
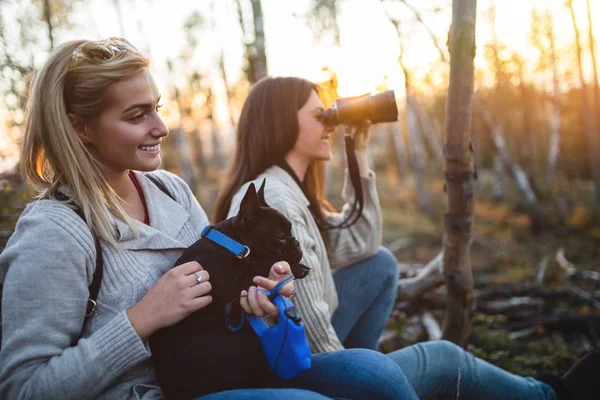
[(238, 249), (245, 255)]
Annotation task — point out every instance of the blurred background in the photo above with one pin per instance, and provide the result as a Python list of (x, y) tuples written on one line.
[(535, 130)]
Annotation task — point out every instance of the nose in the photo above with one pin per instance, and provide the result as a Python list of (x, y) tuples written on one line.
[(159, 129)]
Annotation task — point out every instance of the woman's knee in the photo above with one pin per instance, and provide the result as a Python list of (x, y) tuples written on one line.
[(371, 372), (445, 357), (386, 263)]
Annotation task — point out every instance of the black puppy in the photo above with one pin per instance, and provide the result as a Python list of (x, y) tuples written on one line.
[(200, 355)]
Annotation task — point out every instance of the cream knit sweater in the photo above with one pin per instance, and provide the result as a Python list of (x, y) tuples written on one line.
[(316, 298)]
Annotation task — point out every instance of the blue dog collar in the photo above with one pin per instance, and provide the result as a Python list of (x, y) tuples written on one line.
[(239, 250)]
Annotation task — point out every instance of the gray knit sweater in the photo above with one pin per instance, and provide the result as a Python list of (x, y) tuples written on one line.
[(316, 298), (46, 269)]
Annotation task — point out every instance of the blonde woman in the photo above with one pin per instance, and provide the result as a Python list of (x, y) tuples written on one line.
[(91, 146)]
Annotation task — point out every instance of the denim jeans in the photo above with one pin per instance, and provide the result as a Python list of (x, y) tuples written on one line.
[(441, 368), (366, 292), (358, 374)]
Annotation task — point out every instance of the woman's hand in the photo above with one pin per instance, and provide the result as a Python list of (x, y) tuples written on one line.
[(362, 135), (255, 302), (178, 293)]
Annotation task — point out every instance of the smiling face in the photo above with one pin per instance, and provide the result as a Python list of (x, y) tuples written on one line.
[(313, 141), (127, 135)]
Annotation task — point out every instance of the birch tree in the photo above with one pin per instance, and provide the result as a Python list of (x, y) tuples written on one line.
[(586, 110), (254, 45), (459, 173), (542, 37), (592, 45)]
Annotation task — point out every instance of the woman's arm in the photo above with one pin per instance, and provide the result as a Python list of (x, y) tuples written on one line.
[(49, 263)]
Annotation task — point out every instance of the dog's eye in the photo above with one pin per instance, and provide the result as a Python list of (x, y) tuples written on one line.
[(282, 237)]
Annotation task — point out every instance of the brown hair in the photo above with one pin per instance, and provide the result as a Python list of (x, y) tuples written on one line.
[(267, 130)]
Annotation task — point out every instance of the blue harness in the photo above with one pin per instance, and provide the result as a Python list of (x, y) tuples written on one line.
[(284, 343)]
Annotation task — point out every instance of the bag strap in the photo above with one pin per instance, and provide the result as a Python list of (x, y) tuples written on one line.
[(94, 287), (159, 185)]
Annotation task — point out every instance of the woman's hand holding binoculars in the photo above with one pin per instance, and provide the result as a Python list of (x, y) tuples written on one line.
[(362, 135)]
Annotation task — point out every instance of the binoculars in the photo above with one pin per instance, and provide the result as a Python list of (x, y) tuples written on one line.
[(377, 108)]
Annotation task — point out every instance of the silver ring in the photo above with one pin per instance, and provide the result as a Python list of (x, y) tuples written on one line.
[(198, 277)]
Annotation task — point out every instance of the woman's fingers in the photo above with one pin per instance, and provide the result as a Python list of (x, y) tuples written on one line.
[(244, 302), (265, 304), (256, 302), (198, 277), (201, 302), (189, 267), (200, 289), (279, 270), (253, 302)]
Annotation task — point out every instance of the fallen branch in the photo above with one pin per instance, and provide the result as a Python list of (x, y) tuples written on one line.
[(428, 278), (565, 264), (562, 323), (531, 290), (582, 294), (516, 304), (400, 244), (543, 266), (432, 327)]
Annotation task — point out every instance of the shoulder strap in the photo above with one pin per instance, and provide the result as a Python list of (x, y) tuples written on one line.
[(159, 185), (94, 287)]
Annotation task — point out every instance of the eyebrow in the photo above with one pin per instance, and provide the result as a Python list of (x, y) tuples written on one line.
[(140, 105)]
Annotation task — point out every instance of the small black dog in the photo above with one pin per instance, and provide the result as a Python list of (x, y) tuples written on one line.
[(200, 355)]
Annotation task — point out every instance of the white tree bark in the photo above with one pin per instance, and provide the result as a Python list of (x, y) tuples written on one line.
[(419, 156), (429, 133)]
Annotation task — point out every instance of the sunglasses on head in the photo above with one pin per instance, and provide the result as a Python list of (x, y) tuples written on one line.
[(102, 51)]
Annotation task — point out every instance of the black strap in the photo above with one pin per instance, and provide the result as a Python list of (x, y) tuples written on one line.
[(94, 287), (159, 185)]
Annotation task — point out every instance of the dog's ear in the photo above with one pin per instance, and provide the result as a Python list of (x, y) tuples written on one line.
[(261, 194), (248, 206)]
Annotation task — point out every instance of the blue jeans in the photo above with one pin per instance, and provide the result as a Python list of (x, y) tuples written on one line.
[(441, 369), (348, 374), (366, 292)]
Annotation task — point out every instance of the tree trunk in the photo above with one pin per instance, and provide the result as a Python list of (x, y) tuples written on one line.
[(589, 128), (428, 130), (227, 88), (419, 156), (187, 174), (596, 107), (460, 179), (198, 157), (260, 57), (498, 187), (528, 148), (554, 147), (48, 19), (397, 148)]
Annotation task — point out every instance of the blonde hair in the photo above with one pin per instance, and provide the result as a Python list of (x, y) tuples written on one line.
[(52, 154)]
